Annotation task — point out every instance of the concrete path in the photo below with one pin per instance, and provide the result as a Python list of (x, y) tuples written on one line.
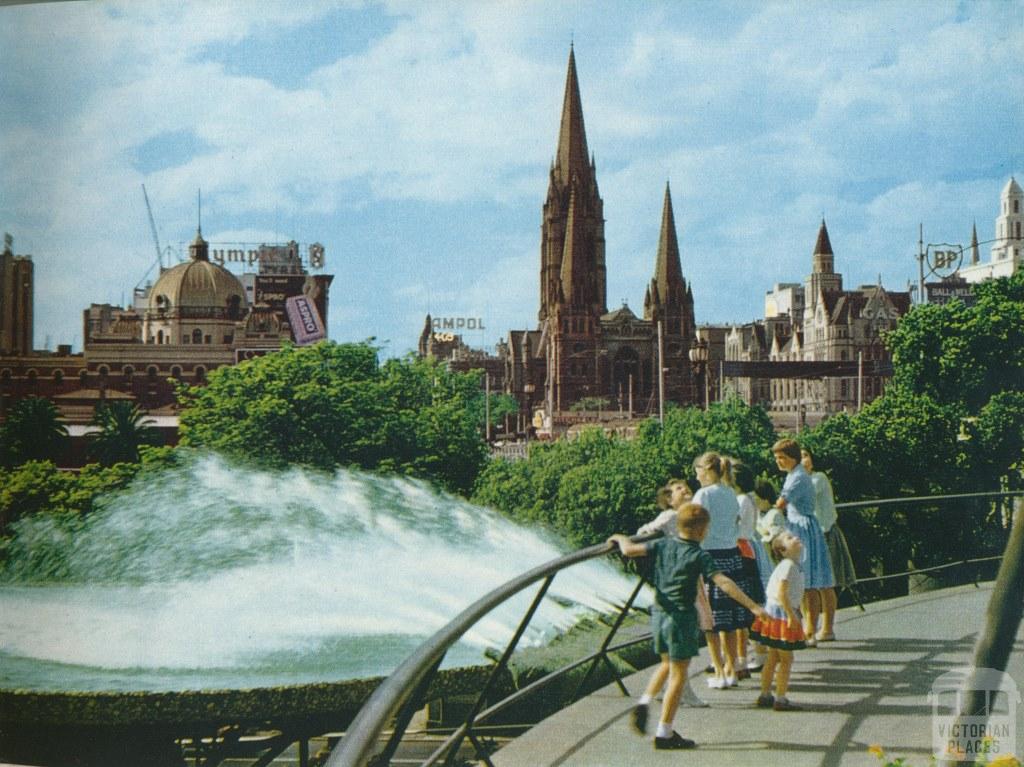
[(870, 687)]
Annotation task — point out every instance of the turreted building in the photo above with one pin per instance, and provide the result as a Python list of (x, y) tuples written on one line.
[(580, 350)]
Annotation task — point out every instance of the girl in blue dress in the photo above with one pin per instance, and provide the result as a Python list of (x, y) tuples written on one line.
[(797, 497)]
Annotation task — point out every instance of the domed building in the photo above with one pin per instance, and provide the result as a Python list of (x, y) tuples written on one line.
[(197, 302)]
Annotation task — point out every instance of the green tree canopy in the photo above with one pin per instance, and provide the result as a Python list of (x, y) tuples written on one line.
[(124, 428), (333, 404), (32, 432)]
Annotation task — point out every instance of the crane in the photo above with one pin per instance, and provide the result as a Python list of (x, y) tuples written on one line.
[(156, 242), (152, 226)]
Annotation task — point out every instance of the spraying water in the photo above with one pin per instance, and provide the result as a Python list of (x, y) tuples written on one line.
[(212, 576)]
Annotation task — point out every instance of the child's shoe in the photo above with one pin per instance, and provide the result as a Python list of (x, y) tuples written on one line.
[(673, 742), (756, 663), (731, 681), (742, 669), (783, 704), (638, 718), (716, 683), (825, 636), (811, 641), (765, 701)]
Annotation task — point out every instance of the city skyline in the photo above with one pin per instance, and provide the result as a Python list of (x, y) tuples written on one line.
[(414, 142)]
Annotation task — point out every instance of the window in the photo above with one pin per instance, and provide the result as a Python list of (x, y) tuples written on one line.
[(208, 339), (1016, 206), (151, 372), (83, 377), (176, 371), (104, 371), (200, 374), (58, 376), (197, 336), (159, 336)]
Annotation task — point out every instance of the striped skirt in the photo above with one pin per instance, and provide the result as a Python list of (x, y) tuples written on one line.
[(728, 614), (774, 633)]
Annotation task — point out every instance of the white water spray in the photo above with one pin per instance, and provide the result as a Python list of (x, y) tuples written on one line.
[(214, 576)]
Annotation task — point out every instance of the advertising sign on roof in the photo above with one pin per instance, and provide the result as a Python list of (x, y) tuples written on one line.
[(307, 327)]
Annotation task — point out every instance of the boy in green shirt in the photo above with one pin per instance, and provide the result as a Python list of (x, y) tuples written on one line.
[(677, 562)]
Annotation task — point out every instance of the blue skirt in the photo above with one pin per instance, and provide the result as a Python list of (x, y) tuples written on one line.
[(815, 562)]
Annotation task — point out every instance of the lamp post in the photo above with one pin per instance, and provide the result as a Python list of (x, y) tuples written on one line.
[(699, 359)]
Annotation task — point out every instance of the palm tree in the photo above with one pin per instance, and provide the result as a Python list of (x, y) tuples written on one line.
[(124, 428), (32, 432)]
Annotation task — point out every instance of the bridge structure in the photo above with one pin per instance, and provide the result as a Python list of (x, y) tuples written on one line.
[(872, 691)]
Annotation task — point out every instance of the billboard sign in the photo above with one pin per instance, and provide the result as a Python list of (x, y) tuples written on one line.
[(307, 327)]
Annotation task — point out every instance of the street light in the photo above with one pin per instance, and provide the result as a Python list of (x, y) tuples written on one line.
[(699, 359)]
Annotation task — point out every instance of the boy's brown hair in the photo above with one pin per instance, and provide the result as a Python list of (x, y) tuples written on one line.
[(787, 447), (692, 520)]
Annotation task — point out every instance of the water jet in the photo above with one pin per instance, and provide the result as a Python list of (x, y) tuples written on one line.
[(215, 595)]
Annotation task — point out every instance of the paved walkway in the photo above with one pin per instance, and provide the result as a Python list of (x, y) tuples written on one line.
[(870, 687)]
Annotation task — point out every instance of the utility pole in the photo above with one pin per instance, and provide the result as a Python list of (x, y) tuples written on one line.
[(920, 263), (661, 375), (860, 379), (487, 407)]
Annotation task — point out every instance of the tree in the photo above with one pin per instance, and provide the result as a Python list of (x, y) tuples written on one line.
[(124, 428), (32, 432), (329, 405), (963, 354)]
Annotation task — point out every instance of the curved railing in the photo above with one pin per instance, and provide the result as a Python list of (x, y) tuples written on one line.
[(404, 691)]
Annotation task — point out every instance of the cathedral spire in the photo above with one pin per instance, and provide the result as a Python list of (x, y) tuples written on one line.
[(823, 247), (572, 159), (974, 242), (571, 261), (668, 274)]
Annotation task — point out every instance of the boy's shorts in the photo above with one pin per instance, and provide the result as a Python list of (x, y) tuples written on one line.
[(675, 635)]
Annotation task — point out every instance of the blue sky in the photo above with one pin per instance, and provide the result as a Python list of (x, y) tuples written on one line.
[(413, 140)]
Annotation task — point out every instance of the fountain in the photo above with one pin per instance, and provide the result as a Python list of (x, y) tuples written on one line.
[(218, 595)]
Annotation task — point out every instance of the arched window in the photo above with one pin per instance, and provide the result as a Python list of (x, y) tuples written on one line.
[(32, 375), (58, 376), (151, 371), (5, 375), (159, 336), (197, 336), (83, 377), (103, 370), (200, 373), (176, 371)]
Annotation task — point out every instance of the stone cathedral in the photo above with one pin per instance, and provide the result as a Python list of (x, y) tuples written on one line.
[(580, 349)]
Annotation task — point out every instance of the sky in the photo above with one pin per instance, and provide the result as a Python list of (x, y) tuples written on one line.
[(413, 140)]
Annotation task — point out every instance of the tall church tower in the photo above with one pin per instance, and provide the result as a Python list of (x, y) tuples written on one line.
[(669, 300), (573, 180), (573, 275), (1009, 223), (823, 273)]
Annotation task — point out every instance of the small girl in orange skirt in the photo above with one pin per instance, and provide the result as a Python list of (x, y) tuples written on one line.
[(782, 632)]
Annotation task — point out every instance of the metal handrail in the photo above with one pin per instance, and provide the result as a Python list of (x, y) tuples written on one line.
[(392, 696), (401, 693)]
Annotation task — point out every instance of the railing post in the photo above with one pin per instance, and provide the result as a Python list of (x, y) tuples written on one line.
[(602, 653), (498, 669)]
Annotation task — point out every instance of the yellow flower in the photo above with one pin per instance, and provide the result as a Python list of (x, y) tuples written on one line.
[(876, 750), (1006, 760)]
